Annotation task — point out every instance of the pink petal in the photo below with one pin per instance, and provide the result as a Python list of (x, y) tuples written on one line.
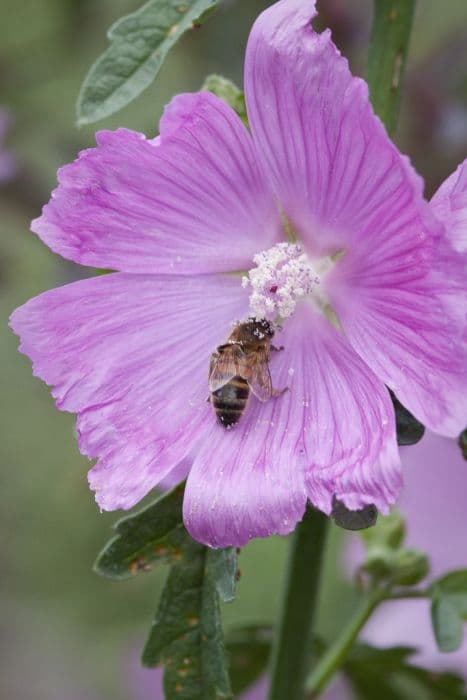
[(130, 355), (348, 419), (405, 315), (398, 291), (449, 205), (190, 201), (335, 171), (249, 481), (332, 433)]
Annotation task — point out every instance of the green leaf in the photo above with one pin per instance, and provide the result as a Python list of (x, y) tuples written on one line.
[(140, 42), (186, 634), (453, 586), (248, 651), (153, 534), (447, 624), (387, 674), (449, 609), (221, 566), (409, 429), (229, 92)]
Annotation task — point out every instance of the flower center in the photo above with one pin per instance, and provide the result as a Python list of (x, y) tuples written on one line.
[(283, 275)]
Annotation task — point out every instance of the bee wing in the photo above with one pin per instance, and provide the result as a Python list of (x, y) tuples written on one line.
[(224, 366), (255, 370)]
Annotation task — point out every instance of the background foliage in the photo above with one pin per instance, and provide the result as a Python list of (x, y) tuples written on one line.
[(76, 633)]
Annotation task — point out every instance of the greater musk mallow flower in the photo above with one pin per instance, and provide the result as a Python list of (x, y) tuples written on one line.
[(313, 219)]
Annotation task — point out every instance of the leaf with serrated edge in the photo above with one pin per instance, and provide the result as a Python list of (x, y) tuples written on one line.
[(155, 533), (186, 635), (140, 42)]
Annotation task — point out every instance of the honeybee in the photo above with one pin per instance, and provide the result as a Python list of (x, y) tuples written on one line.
[(241, 364)]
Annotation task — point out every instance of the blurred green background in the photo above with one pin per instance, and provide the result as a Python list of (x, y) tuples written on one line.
[(65, 633)]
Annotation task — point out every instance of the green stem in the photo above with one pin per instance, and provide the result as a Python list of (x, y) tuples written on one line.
[(291, 651), (403, 595), (337, 653), (389, 44)]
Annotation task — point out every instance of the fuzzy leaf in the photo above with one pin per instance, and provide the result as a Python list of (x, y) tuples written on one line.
[(140, 42), (186, 634), (229, 92), (248, 652), (153, 534), (387, 674)]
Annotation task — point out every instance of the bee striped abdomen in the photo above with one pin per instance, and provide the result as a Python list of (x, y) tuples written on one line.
[(230, 400)]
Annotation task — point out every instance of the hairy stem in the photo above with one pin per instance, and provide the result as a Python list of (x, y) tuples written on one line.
[(291, 651), (389, 45)]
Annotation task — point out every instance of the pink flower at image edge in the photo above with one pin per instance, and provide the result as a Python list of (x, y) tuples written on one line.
[(433, 505), (371, 293)]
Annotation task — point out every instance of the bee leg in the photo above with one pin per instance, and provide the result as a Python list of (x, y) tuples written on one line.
[(278, 392), (274, 349)]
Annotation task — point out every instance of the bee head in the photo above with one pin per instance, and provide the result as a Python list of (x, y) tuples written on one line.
[(258, 329)]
